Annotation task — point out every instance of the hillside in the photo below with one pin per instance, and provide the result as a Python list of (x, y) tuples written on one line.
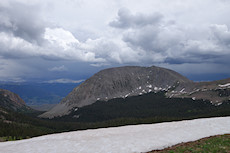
[(11, 101), (218, 143), (16, 118), (155, 107)]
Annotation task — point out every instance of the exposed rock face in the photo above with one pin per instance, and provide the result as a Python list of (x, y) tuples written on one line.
[(11, 101), (119, 82)]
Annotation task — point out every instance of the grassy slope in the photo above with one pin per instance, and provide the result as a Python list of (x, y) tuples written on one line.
[(214, 144)]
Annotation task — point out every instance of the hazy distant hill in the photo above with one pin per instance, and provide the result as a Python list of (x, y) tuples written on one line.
[(40, 93)]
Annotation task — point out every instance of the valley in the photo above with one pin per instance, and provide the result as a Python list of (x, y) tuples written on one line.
[(40, 94)]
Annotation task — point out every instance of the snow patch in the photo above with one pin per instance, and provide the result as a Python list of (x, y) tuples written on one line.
[(218, 104), (76, 116), (127, 95), (182, 90), (149, 86), (224, 85)]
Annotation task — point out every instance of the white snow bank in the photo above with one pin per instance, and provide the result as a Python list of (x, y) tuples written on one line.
[(137, 138), (224, 85)]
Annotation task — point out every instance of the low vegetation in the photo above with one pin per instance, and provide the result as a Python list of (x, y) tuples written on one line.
[(214, 144)]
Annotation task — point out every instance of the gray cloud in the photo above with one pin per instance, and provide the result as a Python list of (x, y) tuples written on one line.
[(23, 21), (145, 38), (64, 81), (173, 43), (126, 19), (221, 33)]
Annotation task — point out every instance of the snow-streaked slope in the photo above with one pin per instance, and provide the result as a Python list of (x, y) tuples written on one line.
[(137, 138), (225, 85)]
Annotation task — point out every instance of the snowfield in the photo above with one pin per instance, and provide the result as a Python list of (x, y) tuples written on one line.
[(126, 139)]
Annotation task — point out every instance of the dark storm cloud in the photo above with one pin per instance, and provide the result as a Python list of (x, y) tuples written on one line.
[(23, 21), (170, 41), (152, 38), (145, 38), (126, 19), (193, 59)]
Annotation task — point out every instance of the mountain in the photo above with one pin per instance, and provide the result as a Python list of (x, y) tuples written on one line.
[(11, 101), (123, 82), (118, 82)]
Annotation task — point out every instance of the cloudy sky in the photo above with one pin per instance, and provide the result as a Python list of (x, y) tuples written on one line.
[(69, 40)]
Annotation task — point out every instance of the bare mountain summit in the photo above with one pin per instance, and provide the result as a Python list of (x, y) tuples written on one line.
[(122, 82), (119, 82)]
